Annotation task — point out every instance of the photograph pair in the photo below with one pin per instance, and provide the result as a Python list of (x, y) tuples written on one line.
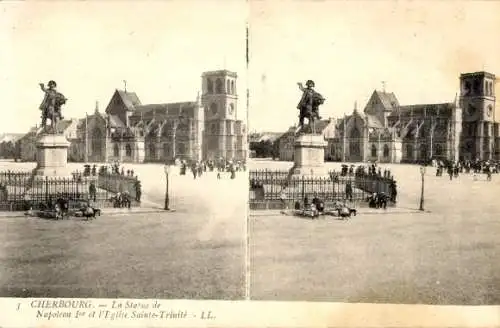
[(320, 151)]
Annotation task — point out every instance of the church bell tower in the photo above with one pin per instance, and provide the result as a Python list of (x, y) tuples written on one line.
[(219, 100), (477, 101)]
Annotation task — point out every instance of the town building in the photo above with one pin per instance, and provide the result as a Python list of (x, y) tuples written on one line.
[(385, 131)]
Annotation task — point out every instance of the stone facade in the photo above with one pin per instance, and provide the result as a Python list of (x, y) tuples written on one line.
[(392, 133)]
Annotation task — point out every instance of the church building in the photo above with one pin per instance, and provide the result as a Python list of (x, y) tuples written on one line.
[(202, 129), (387, 132)]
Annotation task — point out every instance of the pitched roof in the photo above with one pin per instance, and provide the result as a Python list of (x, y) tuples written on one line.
[(425, 109), (373, 122), (388, 99), (130, 99), (319, 125), (166, 107), (115, 122)]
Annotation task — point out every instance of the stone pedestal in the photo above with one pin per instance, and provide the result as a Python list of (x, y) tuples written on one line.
[(309, 156), (52, 157)]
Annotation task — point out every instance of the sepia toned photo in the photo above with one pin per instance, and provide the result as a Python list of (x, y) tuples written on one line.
[(123, 150), (374, 152)]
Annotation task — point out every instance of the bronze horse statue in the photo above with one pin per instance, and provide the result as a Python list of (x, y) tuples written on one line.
[(310, 110)]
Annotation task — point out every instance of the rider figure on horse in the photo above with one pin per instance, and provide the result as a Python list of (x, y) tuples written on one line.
[(50, 105)]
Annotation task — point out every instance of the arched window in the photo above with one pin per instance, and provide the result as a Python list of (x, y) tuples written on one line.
[(152, 151), (423, 151), (128, 150), (439, 150), (213, 108), (386, 151), (374, 151), (210, 86), (166, 150), (96, 142), (228, 86), (492, 91), (409, 151), (116, 150), (355, 133), (219, 86), (181, 148), (232, 88)]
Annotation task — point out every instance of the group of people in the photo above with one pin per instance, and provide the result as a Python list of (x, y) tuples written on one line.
[(454, 169), (198, 168), (364, 170)]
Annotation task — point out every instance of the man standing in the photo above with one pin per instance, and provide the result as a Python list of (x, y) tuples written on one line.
[(49, 100)]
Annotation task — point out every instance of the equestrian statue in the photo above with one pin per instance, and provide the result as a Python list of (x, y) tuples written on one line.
[(309, 105), (51, 106)]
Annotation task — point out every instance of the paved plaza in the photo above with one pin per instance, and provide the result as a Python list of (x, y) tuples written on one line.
[(447, 255), (198, 251)]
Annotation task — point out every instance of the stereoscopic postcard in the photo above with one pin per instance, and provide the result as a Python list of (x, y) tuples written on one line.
[(249, 163)]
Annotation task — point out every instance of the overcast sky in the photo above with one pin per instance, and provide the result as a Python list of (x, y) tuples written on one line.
[(348, 48), (160, 47)]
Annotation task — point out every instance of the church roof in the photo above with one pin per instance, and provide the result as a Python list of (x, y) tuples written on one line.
[(166, 109), (130, 99), (425, 109), (388, 99), (115, 122), (373, 122)]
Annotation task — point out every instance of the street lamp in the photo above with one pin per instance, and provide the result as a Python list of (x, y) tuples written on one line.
[(422, 173), (167, 200)]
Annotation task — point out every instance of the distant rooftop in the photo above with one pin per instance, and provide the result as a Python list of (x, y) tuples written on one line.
[(220, 73), (480, 73)]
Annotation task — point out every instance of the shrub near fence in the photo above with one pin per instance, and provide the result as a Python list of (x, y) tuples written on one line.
[(267, 188), (19, 188)]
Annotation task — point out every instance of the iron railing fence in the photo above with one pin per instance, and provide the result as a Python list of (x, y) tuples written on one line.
[(19, 190), (272, 188)]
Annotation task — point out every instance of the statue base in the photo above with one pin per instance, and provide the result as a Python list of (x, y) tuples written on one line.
[(52, 157), (309, 156)]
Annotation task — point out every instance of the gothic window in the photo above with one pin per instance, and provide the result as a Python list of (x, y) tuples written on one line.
[(116, 150), (477, 87), (152, 151), (219, 86), (166, 150), (213, 128), (374, 151), (96, 142), (128, 150), (232, 88), (386, 151), (409, 151), (486, 88), (439, 150), (492, 93), (210, 86), (423, 151), (181, 148), (355, 133), (228, 87), (213, 108)]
